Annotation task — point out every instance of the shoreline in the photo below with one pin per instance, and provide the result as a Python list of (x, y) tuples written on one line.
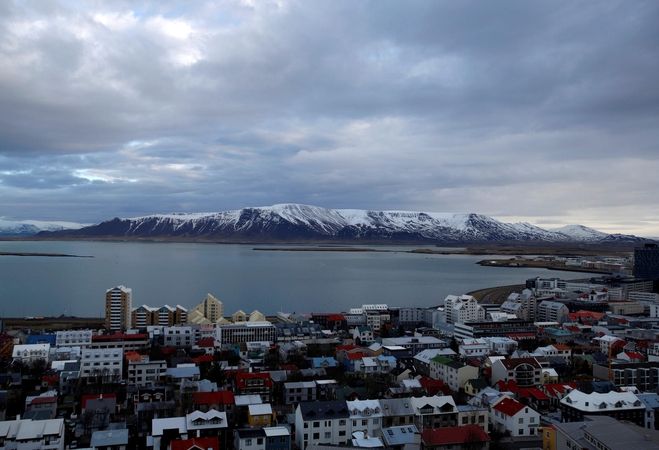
[(49, 255)]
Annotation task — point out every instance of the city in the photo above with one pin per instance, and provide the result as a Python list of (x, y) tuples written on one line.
[(558, 362)]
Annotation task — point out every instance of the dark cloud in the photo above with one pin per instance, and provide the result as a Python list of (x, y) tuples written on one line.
[(529, 111)]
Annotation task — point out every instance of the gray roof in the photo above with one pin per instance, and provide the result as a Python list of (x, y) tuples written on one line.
[(396, 407), (610, 431), (399, 435), (335, 409), (108, 438)]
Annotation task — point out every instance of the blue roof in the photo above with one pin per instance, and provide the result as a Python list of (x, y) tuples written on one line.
[(317, 362), (42, 339)]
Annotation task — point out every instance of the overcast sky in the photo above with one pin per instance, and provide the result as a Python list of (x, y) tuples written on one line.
[(544, 112)]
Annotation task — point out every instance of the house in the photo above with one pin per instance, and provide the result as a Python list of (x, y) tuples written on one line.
[(146, 373), (273, 438), (259, 383), (453, 373), (433, 412), (223, 401), (509, 415), (397, 412), (462, 437), (399, 437), (422, 359), (366, 415), (32, 434), (474, 386), (322, 422), (473, 415), (619, 405), (196, 443), (110, 439), (598, 432), (303, 391), (527, 372), (260, 415), (362, 334), (556, 392), (209, 424)]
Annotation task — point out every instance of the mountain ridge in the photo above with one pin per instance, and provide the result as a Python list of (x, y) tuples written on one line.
[(295, 223)]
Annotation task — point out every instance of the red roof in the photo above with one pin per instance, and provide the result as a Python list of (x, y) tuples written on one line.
[(619, 344), (85, 398), (356, 355), (508, 406), (200, 443), (216, 397), (432, 387), (203, 359), (241, 378), (43, 400), (335, 317), (537, 394), (119, 337), (289, 367), (347, 347), (206, 342), (510, 386), (453, 435), (554, 389), (634, 355)]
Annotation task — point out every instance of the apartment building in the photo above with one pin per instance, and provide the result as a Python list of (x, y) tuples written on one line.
[(145, 374), (118, 309)]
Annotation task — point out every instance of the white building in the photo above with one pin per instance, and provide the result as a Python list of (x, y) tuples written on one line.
[(365, 415), (107, 362), (29, 353), (71, 338), (32, 434), (514, 417), (178, 336), (325, 422), (145, 374), (462, 308)]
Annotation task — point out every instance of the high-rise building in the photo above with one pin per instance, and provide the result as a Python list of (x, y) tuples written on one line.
[(646, 262), (118, 308), (208, 312)]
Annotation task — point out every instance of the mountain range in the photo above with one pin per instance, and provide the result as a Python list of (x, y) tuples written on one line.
[(32, 227), (294, 223)]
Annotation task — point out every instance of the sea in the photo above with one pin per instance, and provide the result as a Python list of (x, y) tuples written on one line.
[(238, 275)]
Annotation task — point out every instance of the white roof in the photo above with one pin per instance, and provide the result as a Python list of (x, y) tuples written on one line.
[(160, 425), (260, 410), (276, 431)]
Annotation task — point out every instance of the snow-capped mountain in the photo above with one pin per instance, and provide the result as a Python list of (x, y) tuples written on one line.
[(290, 223), (32, 227)]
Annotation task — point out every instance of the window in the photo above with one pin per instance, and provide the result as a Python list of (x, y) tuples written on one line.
[(342, 433), (364, 422), (521, 431), (316, 424), (328, 435), (248, 442), (342, 423), (282, 439), (259, 441), (354, 423), (316, 436), (376, 421), (465, 420), (521, 420)]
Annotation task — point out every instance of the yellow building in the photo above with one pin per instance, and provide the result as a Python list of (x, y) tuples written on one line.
[(548, 437), (208, 312), (260, 415)]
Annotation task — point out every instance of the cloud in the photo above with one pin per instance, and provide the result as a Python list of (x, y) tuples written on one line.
[(529, 111)]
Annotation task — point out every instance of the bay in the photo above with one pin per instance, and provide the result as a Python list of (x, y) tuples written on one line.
[(239, 276)]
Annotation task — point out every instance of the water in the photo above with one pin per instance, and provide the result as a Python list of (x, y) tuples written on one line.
[(240, 277)]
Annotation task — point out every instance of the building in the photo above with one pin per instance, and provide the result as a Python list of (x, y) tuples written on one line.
[(645, 376), (297, 392), (453, 373), (526, 372), (462, 308), (257, 383), (463, 437), (107, 363), (366, 416), (32, 434), (646, 262), (148, 373), (118, 309), (619, 405), (434, 412), (73, 338), (549, 311), (509, 415), (165, 316), (325, 422), (27, 354), (598, 432), (246, 332), (208, 312)]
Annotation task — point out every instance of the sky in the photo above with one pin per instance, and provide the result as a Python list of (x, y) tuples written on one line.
[(541, 112)]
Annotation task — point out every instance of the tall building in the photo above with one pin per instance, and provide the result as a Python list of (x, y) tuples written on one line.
[(167, 316), (646, 262), (463, 308), (118, 308), (208, 312)]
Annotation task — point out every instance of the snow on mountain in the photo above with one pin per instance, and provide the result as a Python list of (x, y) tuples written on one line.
[(580, 232), (303, 223), (32, 227)]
